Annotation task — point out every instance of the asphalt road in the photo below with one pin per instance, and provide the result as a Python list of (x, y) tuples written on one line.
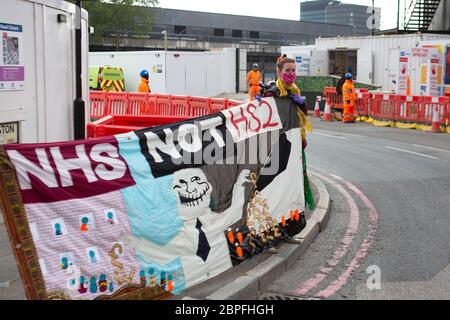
[(390, 216)]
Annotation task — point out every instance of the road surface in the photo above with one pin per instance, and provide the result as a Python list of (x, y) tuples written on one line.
[(389, 231)]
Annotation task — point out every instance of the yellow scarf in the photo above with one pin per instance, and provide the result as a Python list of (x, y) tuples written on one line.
[(305, 124), (284, 87)]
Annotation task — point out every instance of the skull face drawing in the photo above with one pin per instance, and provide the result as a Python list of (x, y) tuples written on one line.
[(193, 192)]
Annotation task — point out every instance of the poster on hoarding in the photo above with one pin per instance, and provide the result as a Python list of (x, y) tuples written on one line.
[(403, 75), (430, 60), (447, 71), (433, 87), (12, 70), (302, 63)]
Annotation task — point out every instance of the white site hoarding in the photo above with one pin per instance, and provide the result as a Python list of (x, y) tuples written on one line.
[(379, 70), (38, 54), (302, 58), (205, 74)]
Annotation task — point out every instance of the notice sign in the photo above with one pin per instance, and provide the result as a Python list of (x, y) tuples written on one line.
[(433, 78), (9, 132), (302, 63), (403, 75), (12, 70)]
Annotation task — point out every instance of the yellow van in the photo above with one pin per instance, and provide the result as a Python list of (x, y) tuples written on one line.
[(106, 78)]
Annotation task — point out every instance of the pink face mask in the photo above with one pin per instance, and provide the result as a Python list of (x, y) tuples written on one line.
[(288, 77)]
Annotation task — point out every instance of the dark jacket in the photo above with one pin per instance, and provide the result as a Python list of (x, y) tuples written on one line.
[(339, 86), (275, 92)]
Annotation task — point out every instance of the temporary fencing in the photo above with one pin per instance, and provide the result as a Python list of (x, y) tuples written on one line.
[(199, 106), (117, 124), (332, 98), (117, 102), (163, 104), (98, 104), (435, 112), (232, 103), (180, 106), (137, 103), (217, 105), (408, 109), (362, 104), (383, 106), (414, 112), (118, 112), (106, 103)]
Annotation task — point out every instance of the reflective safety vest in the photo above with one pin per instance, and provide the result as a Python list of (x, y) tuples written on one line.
[(112, 79)]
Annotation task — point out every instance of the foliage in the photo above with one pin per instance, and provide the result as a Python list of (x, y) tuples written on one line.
[(316, 84), (120, 18)]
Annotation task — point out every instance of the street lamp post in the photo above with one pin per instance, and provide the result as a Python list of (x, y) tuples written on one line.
[(165, 39), (78, 104), (373, 17), (165, 59)]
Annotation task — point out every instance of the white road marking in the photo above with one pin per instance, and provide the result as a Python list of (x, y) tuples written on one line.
[(344, 134), (412, 152), (328, 135), (431, 148)]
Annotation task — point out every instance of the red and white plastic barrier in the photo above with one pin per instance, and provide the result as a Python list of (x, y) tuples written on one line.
[(423, 110), (133, 103), (435, 112)]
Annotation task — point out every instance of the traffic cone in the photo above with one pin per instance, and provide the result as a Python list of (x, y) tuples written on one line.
[(327, 113), (436, 126), (316, 108)]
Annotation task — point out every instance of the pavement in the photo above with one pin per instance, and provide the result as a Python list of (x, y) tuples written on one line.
[(11, 287), (234, 96), (249, 279)]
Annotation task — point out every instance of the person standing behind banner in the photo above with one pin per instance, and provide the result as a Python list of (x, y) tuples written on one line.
[(253, 79), (287, 94), (349, 95), (285, 87), (143, 85)]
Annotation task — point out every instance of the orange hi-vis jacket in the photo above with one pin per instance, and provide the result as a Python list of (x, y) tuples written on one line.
[(348, 92), (254, 77), (143, 86)]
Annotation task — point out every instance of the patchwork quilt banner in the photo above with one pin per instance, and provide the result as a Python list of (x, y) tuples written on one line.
[(147, 214)]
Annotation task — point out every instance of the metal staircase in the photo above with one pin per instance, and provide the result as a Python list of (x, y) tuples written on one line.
[(420, 14)]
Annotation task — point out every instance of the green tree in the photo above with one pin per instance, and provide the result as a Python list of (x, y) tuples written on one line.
[(120, 18)]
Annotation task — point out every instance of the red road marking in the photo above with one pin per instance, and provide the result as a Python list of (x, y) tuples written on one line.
[(373, 216), (345, 243)]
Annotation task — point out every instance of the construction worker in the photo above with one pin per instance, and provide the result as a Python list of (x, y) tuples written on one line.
[(408, 85), (349, 96), (253, 79), (143, 85)]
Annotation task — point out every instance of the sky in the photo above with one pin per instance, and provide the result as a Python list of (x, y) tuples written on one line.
[(281, 9)]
